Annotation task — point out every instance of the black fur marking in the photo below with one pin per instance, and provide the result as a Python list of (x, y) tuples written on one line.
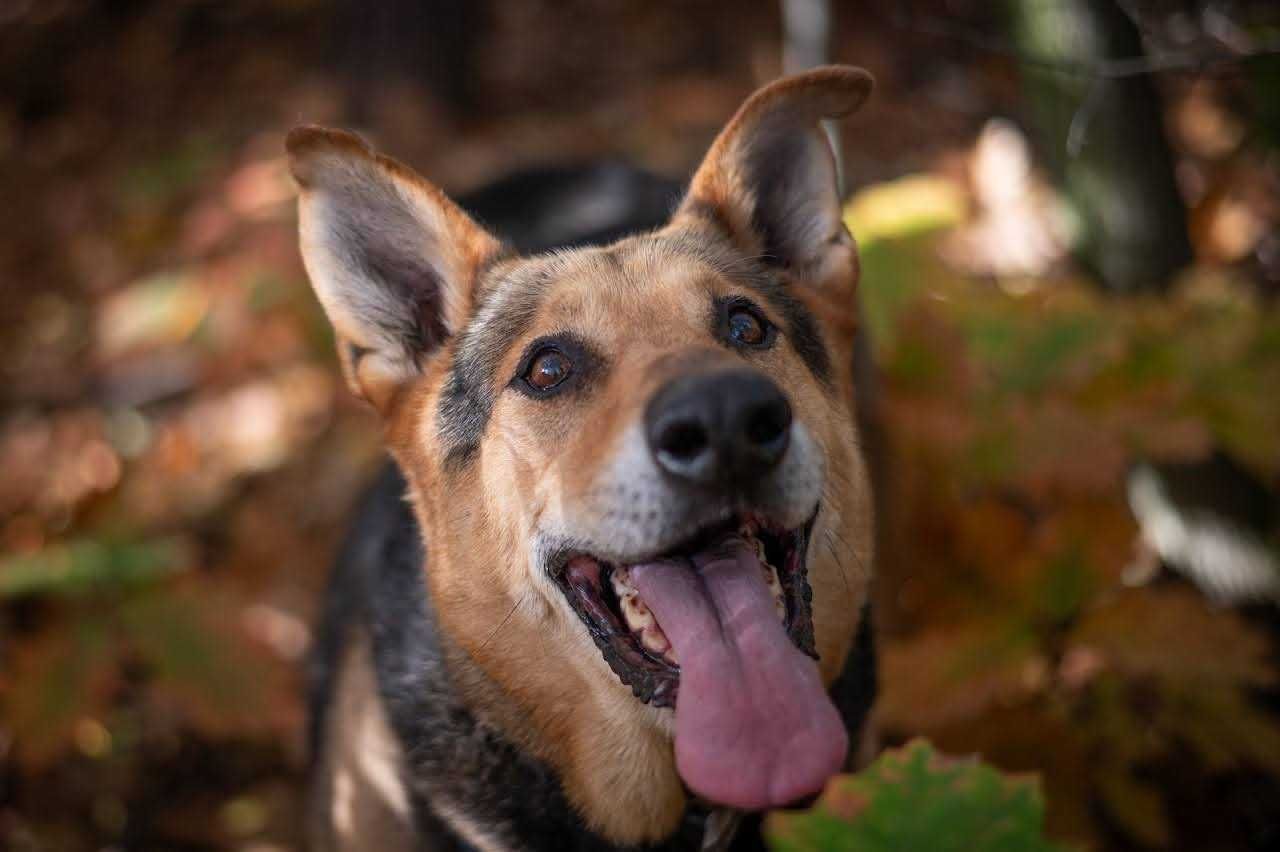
[(469, 392), (573, 205), (802, 328), (855, 690), (462, 415)]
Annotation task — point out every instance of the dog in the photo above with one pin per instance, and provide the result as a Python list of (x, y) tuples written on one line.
[(613, 592)]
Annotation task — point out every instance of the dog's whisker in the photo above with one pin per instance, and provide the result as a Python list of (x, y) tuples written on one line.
[(853, 553), (835, 554), (515, 606)]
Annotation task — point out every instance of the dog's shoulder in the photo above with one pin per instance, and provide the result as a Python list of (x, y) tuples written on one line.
[(381, 542)]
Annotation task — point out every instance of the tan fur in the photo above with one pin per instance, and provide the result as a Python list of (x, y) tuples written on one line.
[(644, 305), (359, 802)]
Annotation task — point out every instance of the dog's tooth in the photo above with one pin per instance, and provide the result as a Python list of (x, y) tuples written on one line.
[(621, 580), (775, 589), (657, 642), (635, 612), (771, 577), (639, 618)]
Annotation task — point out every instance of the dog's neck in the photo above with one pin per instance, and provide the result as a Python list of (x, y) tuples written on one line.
[(704, 828), (496, 795)]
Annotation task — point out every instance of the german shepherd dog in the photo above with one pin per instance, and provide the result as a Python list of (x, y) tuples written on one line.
[(612, 594)]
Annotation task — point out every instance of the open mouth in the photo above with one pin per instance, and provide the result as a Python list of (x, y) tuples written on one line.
[(609, 599)]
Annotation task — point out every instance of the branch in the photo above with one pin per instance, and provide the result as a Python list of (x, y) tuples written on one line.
[(1201, 61)]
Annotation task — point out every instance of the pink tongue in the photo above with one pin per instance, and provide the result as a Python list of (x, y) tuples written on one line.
[(754, 726)]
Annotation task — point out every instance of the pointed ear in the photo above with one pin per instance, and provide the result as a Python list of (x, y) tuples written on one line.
[(392, 260), (769, 180)]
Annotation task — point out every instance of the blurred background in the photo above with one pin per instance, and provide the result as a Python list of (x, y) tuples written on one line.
[(1069, 213)]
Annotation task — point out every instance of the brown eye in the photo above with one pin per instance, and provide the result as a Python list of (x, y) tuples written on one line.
[(548, 369), (747, 328)]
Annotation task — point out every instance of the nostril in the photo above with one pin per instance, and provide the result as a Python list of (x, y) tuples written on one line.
[(683, 439), (767, 423), (723, 428)]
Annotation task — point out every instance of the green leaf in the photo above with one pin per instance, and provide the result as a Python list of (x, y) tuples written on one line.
[(912, 798), (88, 565)]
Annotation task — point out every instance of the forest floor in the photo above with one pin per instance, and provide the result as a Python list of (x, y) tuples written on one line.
[(180, 456)]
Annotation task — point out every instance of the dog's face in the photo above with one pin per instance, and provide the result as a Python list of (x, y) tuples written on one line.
[(636, 466)]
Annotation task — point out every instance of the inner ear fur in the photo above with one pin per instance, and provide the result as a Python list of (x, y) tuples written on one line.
[(769, 180), (392, 260)]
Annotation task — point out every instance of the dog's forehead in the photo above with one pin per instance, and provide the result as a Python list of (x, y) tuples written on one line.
[(649, 278), (519, 297), (637, 265), (633, 281)]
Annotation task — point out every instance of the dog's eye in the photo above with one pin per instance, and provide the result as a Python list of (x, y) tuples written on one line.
[(548, 368), (747, 327)]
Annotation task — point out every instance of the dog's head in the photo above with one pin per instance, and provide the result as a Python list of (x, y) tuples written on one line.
[(636, 466)]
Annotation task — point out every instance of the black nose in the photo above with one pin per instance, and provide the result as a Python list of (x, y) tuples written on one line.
[(723, 428)]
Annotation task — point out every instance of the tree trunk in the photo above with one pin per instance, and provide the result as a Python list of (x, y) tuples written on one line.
[(1104, 139)]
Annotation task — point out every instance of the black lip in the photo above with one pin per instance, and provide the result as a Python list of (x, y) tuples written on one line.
[(652, 679)]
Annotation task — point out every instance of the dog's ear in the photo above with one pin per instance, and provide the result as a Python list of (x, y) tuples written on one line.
[(769, 180), (392, 260)]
